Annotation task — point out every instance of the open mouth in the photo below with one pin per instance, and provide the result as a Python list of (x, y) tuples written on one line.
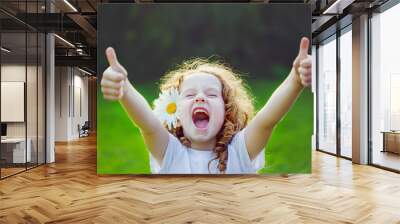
[(200, 117)]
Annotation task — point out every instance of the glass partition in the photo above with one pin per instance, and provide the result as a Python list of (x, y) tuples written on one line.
[(385, 89), (327, 95), (345, 93), (14, 153), (41, 107), (31, 99), (22, 92)]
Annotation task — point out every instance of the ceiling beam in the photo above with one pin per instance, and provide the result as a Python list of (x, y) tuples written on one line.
[(77, 17), (337, 6), (81, 61)]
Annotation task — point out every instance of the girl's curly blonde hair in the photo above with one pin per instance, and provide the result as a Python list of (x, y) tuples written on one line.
[(239, 107)]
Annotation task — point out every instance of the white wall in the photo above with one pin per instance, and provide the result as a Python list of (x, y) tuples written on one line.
[(71, 94), (62, 81), (13, 73), (80, 102)]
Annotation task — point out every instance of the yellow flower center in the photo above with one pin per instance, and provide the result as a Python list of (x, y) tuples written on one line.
[(171, 108)]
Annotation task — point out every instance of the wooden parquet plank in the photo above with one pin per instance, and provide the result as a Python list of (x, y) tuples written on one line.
[(70, 191)]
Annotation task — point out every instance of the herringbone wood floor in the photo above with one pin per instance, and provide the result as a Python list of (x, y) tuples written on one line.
[(69, 191)]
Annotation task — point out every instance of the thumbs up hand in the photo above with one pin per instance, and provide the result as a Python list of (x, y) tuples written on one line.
[(302, 63), (113, 83)]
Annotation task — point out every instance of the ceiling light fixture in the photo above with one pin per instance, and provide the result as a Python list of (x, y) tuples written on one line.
[(84, 71), (64, 40), (70, 5), (338, 6), (5, 50)]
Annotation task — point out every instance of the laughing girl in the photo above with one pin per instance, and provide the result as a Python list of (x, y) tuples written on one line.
[(203, 121)]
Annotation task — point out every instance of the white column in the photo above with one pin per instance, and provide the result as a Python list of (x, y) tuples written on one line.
[(360, 90), (50, 92), (314, 91)]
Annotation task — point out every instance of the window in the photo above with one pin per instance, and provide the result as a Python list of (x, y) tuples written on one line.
[(327, 96), (385, 89), (345, 92)]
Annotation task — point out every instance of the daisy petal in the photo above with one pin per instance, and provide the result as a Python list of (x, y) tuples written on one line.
[(166, 99)]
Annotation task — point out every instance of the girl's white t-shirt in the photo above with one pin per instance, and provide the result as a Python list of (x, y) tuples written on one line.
[(179, 159)]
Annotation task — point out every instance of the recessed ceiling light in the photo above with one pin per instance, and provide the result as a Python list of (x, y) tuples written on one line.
[(64, 40), (70, 5), (338, 6), (5, 50), (84, 71)]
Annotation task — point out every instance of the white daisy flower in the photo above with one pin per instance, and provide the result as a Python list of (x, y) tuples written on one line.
[(166, 107)]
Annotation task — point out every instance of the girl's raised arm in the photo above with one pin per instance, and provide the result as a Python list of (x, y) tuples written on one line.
[(115, 85), (260, 128)]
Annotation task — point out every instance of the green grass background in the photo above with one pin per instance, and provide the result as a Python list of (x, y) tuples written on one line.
[(121, 149)]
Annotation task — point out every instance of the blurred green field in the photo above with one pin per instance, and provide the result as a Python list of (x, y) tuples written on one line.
[(121, 149)]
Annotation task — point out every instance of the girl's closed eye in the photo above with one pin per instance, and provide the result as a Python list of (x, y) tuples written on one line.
[(212, 94), (189, 95)]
